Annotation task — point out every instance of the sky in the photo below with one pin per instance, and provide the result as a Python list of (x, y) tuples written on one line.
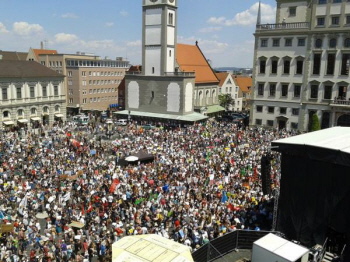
[(113, 28)]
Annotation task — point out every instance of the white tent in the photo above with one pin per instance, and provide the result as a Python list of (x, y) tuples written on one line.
[(149, 248)]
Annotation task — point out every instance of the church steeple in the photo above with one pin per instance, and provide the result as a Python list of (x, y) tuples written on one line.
[(258, 21)]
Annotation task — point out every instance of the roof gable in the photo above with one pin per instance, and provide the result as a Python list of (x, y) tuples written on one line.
[(191, 59)]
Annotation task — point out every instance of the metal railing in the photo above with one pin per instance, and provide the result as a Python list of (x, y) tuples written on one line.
[(282, 26), (218, 247)]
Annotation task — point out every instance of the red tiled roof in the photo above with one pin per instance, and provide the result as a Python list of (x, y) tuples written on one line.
[(191, 59), (244, 82), (222, 77), (38, 52)]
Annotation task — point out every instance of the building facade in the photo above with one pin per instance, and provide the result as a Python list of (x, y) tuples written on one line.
[(164, 89), (92, 82), (301, 66), (31, 95), (227, 85)]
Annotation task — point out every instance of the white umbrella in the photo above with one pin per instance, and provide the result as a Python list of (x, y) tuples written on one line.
[(42, 215), (131, 158)]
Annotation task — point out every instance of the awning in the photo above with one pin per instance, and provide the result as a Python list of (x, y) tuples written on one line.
[(36, 118), (58, 115), (214, 109), (8, 123), (190, 117), (22, 120)]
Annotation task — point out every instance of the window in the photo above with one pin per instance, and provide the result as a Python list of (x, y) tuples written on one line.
[(33, 111), (322, 1), (70, 101), (274, 65), (284, 92), (171, 19), (44, 90), (271, 109), (314, 91), (276, 42), (263, 43), (335, 20), (55, 90), (31, 92), (262, 66), (337, 1), (330, 64), (301, 41), (269, 123), (272, 90), (332, 42), (295, 111), (345, 64), (19, 92), (283, 110), (20, 112), (6, 114), (317, 64), (70, 82), (286, 66), (292, 11), (320, 21), (70, 73), (347, 42), (294, 125), (318, 43), (300, 64), (260, 89), (347, 20), (327, 92), (152, 70), (258, 122), (288, 42), (4, 93), (259, 109), (83, 73), (297, 89)]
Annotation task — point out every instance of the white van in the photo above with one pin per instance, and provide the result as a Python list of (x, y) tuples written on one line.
[(121, 122)]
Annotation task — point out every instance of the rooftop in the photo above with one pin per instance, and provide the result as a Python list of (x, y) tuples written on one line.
[(25, 69)]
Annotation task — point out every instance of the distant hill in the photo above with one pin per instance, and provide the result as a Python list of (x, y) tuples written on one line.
[(230, 69)]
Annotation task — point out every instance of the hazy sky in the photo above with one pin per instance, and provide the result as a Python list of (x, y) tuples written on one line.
[(223, 28)]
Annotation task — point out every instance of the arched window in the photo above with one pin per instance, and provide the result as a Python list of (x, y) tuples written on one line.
[(33, 111), (57, 108), (20, 112), (6, 114), (347, 42), (318, 43), (332, 42), (46, 109)]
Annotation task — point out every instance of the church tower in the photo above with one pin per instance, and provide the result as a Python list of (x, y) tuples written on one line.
[(159, 33)]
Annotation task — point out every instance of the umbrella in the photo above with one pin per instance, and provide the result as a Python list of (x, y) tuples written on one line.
[(131, 158), (42, 215)]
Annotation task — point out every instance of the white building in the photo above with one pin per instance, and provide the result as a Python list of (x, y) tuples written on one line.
[(227, 85), (301, 65)]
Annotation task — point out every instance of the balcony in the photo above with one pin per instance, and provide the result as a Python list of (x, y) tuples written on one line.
[(340, 102), (283, 26)]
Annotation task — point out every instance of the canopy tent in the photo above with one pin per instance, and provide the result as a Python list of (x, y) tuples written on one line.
[(149, 248), (140, 156)]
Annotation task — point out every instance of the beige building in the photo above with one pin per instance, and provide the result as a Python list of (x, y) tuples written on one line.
[(31, 94), (92, 82), (301, 66)]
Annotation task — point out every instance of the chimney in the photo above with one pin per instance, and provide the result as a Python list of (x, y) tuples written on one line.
[(41, 45)]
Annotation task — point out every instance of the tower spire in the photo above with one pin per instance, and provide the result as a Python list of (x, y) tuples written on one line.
[(258, 21)]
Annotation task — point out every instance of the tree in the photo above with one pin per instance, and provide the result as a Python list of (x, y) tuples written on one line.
[(315, 123), (225, 100)]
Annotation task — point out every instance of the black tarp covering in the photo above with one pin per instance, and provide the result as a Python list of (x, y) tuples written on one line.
[(314, 194)]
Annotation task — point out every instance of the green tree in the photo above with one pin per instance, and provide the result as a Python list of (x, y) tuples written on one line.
[(225, 100), (315, 123)]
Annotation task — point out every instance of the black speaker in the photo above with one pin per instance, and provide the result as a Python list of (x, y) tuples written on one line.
[(266, 174)]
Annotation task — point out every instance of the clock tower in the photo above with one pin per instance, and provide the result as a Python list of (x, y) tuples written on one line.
[(159, 33)]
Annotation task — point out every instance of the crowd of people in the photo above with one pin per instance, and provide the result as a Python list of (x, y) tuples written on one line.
[(67, 195)]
